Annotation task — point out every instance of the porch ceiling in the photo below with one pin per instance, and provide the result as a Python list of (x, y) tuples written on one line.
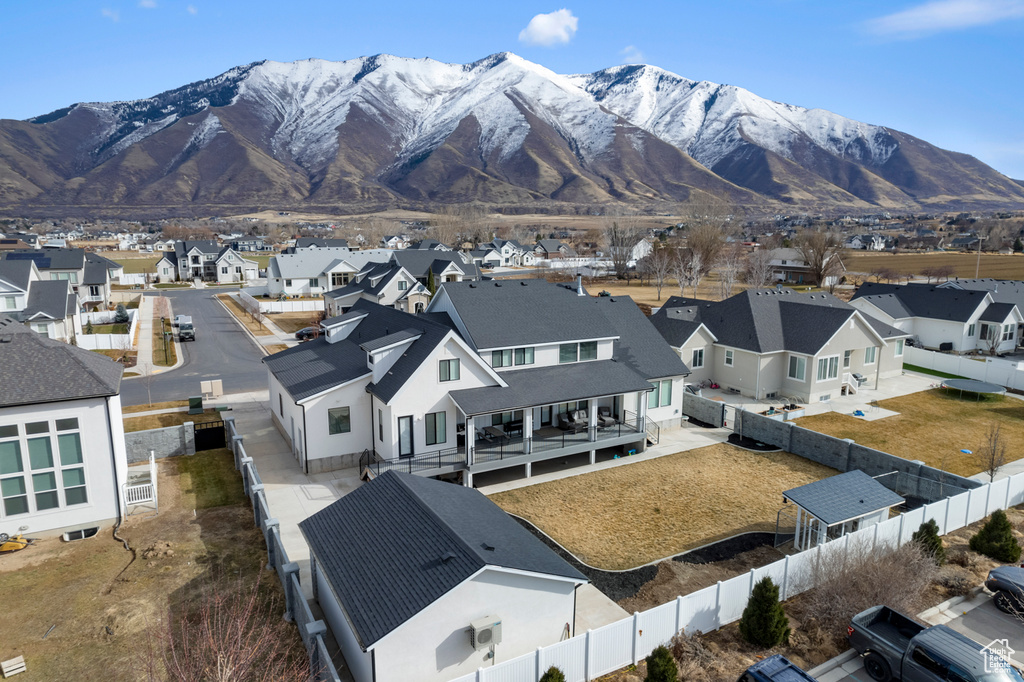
[(550, 385)]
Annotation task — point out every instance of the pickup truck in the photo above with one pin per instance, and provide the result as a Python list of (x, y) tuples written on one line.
[(895, 647), (775, 668)]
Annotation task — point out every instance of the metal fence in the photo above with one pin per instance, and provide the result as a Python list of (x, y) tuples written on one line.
[(296, 608)]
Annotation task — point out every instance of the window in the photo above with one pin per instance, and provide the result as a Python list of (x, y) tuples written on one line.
[(501, 358), (40, 328), (402, 285), (869, 355), (568, 352), (797, 368), (847, 355), (828, 368), (524, 356), (449, 370), (899, 347), (238, 269), (1007, 332), (10, 302), (287, 282), (661, 396), (970, 330), (224, 270), (56, 481), (165, 271), (380, 425), (280, 403), (314, 281), (338, 420), (588, 350), (928, 662), (94, 290), (435, 424), (728, 358), (499, 418), (698, 358)]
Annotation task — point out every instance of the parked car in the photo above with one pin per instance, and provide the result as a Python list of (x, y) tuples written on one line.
[(186, 332), (775, 668), (895, 647), (1007, 584), (307, 333)]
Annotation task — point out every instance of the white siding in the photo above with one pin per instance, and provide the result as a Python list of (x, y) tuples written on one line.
[(360, 663)]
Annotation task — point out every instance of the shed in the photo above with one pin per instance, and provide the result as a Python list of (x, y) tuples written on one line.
[(832, 507)]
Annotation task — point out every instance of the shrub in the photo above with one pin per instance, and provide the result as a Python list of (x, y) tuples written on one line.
[(995, 539), (121, 315), (955, 585), (764, 622), (694, 659), (553, 674), (88, 327), (661, 667), (928, 537), (967, 560)]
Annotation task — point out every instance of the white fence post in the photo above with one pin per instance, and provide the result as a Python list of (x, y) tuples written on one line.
[(540, 663), (967, 508), (636, 636), (718, 605), (588, 664), (785, 579), (679, 612)]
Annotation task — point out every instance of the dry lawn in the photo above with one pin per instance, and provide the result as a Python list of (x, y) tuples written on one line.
[(105, 607), (242, 316), (155, 406), (964, 264), (159, 421), (276, 348), (933, 427), (637, 513), (293, 322)]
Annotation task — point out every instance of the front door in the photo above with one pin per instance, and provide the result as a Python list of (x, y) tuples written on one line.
[(545, 415), (405, 447)]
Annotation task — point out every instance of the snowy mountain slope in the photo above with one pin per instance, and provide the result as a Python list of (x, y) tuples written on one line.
[(502, 129)]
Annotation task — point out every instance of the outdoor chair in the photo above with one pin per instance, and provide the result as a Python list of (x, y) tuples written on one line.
[(604, 416)]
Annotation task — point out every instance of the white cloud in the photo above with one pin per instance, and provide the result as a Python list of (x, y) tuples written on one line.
[(191, 9), (147, 4), (944, 15), (631, 55), (550, 29), (111, 14)]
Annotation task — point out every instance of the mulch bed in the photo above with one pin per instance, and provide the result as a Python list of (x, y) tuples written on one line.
[(751, 444), (726, 549)]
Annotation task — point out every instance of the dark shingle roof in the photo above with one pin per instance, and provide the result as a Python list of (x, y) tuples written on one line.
[(53, 298), (390, 339), (95, 273), (420, 261), (921, 300), (16, 272), (677, 320), (997, 312), (203, 245), (35, 369), (50, 259), (395, 545), (1002, 290), (640, 346), (843, 497), (307, 242), (550, 385)]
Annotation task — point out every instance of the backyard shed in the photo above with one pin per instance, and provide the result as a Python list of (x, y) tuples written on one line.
[(832, 507), (425, 580)]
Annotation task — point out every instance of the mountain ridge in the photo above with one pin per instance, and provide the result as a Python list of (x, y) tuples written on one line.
[(386, 130)]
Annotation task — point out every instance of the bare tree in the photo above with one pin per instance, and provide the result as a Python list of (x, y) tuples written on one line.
[(991, 456), (658, 266), (688, 269), (622, 232), (760, 271), (728, 271), (820, 249)]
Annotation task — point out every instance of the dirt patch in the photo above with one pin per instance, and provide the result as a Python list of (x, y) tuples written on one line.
[(276, 348), (964, 264), (246, 320), (159, 421), (932, 426), (128, 358), (154, 406), (293, 322), (640, 512), (107, 607)]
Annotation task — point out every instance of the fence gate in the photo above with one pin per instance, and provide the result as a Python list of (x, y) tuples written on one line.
[(209, 435)]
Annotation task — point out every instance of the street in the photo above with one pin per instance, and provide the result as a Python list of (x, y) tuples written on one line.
[(222, 350)]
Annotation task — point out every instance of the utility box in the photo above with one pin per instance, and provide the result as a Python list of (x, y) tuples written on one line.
[(195, 404)]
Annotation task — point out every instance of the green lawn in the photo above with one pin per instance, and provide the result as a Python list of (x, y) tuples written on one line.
[(932, 372), (211, 477), (120, 328), (137, 266)]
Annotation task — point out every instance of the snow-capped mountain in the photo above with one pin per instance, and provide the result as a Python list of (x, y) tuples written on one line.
[(384, 129)]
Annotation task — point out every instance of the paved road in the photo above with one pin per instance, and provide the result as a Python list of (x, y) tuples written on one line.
[(222, 350)]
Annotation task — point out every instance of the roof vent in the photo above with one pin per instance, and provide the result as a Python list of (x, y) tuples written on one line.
[(489, 548), (447, 556), (497, 284), (522, 283), (472, 286)]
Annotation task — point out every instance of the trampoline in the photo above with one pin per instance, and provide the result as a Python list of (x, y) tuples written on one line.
[(978, 388)]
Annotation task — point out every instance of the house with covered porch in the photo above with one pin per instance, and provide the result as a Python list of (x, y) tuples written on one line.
[(493, 375)]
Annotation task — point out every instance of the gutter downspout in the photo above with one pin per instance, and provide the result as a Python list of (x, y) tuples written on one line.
[(305, 443)]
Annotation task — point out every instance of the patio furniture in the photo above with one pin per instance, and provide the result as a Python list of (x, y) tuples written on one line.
[(566, 422), (514, 427), (495, 432), (604, 416)]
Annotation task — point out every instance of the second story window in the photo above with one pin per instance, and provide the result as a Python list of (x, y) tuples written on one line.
[(524, 356), (448, 370), (568, 352), (501, 358), (588, 350)]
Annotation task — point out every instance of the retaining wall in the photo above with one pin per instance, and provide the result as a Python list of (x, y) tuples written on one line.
[(703, 409), (171, 441)]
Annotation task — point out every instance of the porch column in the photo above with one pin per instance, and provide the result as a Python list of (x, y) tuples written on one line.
[(470, 439), (796, 533), (641, 410), (822, 531), (527, 432), (592, 421)]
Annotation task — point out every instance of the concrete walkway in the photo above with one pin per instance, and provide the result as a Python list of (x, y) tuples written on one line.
[(144, 360), (277, 335)]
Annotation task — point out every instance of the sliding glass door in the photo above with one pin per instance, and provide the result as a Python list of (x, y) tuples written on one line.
[(405, 446)]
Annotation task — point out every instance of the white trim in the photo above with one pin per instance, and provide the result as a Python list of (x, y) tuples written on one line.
[(549, 343), (323, 392)]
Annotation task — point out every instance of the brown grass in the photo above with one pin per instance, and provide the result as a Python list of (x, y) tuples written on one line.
[(159, 421), (964, 264), (932, 426), (155, 406), (293, 322), (242, 316), (159, 358), (276, 348), (634, 514), (126, 357)]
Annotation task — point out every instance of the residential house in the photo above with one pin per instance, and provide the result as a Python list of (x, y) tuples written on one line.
[(315, 271), (316, 243), (494, 375), (766, 344), (446, 266), (387, 284), (429, 245), (789, 266), (394, 241), (422, 580), (12, 244), (945, 318), (513, 254), (866, 242), (49, 307), (252, 243), (552, 248), (484, 258), (89, 274), (967, 242), (62, 450), (164, 244), (207, 261)]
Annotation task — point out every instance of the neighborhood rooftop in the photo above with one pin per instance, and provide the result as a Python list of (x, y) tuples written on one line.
[(843, 498), (922, 300)]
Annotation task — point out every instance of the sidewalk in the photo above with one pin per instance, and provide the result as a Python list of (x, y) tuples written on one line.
[(276, 337), (144, 360)]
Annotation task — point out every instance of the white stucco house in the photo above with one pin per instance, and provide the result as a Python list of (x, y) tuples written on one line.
[(788, 265), (207, 261), (62, 452), (313, 271), (422, 580), (49, 307)]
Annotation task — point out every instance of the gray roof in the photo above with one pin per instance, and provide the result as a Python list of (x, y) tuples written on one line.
[(314, 262), (53, 298), (553, 245), (319, 243), (551, 385), (1002, 290), (397, 544), (49, 259), (317, 365), (16, 272), (390, 339), (35, 369), (96, 273), (640, 346), (921, 300), (766, 320), (997, 312), (203, 245), (373, 278), (843, 497), (678, 323), (419, 262)]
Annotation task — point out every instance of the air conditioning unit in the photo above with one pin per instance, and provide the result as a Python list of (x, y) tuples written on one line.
[(485, 632)]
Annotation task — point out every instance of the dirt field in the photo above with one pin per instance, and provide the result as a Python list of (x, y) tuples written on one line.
[(992, 265), (107, 608), (933, 427), (293, 322), (243, 317), (634, 514)]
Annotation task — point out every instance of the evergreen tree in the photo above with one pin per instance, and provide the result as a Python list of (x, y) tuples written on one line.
[(431, 286), (764, 622), (1018, 245), (553, 674), (88, 328), (121, 316), (661, 667), (995, 539), (928, 537)]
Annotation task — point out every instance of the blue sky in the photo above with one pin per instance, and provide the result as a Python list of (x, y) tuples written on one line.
[(947, 71)]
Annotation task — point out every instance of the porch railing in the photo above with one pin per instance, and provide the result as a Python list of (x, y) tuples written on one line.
[(452, 457), (651, 428), (517, 447)]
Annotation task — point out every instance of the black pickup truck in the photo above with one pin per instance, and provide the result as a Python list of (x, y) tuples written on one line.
[(895, 647)]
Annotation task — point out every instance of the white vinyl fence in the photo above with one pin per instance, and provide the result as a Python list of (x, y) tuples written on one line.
[(107, 341), (132, 279), (993, 370), (270, 306), (599, 652)]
